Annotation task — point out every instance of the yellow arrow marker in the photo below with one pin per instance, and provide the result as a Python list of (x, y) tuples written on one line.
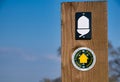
[(83, 58)]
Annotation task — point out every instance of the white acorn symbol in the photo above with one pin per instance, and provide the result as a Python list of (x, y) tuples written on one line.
[(83, 25)]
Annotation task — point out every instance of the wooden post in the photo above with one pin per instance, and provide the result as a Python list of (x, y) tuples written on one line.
[(98, 42)]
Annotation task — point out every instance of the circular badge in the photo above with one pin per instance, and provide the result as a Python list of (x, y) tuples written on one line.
[(83, 59)]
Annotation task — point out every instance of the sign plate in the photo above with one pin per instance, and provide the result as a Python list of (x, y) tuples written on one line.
[(83, 59), (83, 26)]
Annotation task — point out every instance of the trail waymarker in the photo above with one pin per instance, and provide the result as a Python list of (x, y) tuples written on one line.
[(83, 25), (83, 59)]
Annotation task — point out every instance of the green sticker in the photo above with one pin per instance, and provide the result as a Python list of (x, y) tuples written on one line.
[(83, 59)]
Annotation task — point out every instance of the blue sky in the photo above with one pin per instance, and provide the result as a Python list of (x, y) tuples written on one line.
[(30, 36)]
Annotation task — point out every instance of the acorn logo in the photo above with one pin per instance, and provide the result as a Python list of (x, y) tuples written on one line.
[(83, 25), (83, 59)]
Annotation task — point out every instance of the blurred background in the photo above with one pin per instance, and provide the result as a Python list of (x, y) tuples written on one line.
[(30, 40)]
